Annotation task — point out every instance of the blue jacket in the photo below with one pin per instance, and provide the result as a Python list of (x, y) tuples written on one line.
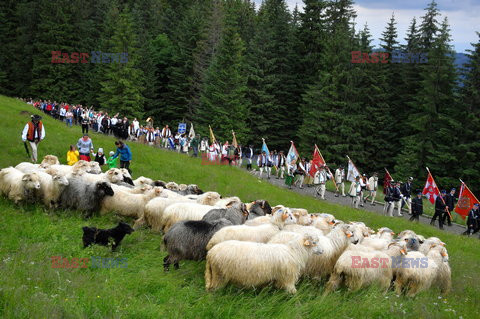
[(125, 153)]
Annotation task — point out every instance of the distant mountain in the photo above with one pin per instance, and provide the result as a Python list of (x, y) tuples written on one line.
[(460, 59)]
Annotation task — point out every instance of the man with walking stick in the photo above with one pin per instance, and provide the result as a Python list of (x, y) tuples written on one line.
[(34, 133)]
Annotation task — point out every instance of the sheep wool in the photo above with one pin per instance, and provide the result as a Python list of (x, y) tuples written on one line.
[(251, 264)]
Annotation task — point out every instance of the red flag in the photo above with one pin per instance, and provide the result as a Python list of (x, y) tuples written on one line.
[(466, 199), (386, 181), (430, 191), (317, 162)]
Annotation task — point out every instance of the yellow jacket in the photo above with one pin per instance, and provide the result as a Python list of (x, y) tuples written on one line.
[(72, 157)]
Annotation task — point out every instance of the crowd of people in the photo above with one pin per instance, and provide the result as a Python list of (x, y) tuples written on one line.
[(297, 173)]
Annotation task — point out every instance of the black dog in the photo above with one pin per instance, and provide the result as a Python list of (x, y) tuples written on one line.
[(93, 235)]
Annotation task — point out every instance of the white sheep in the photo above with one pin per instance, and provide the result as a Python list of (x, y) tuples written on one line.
[(172, 186), (334, 244), (302, 216), (207, 198), (324, 222), (422, 276), (153, 213), (17, 185), (127, 204), (77, 169), (113, 175), (52, 185), (427, 244), (261, 233), (183, 211), (382, 239), (49, 160), (223, 202), (142, 180), (359, 268), (94, 167), (286, 234), (27, 167), (256, 264)]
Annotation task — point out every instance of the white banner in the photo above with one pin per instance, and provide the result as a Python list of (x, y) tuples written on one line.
[(352, 171)]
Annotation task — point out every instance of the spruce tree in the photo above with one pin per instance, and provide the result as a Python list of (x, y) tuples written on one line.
[(223, 104), (123, 82)]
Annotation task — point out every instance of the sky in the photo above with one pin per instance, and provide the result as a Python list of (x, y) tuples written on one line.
[(463, 17)]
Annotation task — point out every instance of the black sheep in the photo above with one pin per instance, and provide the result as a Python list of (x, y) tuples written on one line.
[(84, 196), (259, 208), (188, 239), (237, 214), (93, 235)]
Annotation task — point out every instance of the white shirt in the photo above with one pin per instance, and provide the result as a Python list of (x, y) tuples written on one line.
[(339, 175), (114, 121), (25, 132), (136, 125)]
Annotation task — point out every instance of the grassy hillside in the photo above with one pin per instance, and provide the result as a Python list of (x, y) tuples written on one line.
[(31, 235)]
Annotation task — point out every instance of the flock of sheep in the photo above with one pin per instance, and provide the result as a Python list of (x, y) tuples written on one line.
[(246, 244)]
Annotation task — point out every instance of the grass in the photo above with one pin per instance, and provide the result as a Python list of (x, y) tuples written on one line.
[(31, 235)]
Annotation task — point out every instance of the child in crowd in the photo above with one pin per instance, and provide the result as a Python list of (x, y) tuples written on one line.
[(100, 157), (112, 161), (72, 155)]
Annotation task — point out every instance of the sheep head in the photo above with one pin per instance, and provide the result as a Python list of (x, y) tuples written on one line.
[(31, 181)]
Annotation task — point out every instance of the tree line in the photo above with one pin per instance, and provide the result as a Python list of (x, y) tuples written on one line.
[(262, 72)]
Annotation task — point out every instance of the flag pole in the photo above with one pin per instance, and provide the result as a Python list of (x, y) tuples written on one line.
[(465, 185), (328, 168), (443, 201)]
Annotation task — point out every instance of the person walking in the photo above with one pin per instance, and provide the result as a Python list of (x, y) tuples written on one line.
[(389, 199), (300, 174), (440, 209), (125, 155), (406, 190), (85, 123), (320, 179), (417, 207), (249, 156), (280, 165), (291, 168), (396, 199), (372, 186), (340, 180), (262, 163), (450, 200), (166, 134), (85, 146), (355, 191), (473, 220), (194, 144), (34, 133)]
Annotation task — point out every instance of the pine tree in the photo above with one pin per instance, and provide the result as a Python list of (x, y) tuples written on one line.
[(223, 103), (123, 82), (469, 144), (273, 81), (434, 116)]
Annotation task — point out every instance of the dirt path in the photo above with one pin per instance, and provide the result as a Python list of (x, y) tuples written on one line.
[(346, 201)]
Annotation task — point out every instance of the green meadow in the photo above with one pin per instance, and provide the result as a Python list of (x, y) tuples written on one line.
[(30, 235)]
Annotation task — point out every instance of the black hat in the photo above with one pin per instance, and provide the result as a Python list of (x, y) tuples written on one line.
[(443, 191), (419, 193), (36, 117)]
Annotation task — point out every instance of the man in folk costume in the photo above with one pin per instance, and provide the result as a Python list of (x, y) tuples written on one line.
[(212, 152), (136, 125), (150, 136), (450, 201), (280, 165), (291, 168), (406, 190), (225, 152), (389, 198), (166, 134), (203, 145), (34, 133), (440, 209), (340, 180), (149, 122), (355, 191), (320, 179), (396, 199), (158, 133), (417, 207), (238, 156), (300, 174), (262, 162), (249, 157), (473, 220), (372, 186), (308, 180), (363, 184)]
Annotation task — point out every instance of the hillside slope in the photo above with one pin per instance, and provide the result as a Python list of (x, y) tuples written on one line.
[(30, 236)]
